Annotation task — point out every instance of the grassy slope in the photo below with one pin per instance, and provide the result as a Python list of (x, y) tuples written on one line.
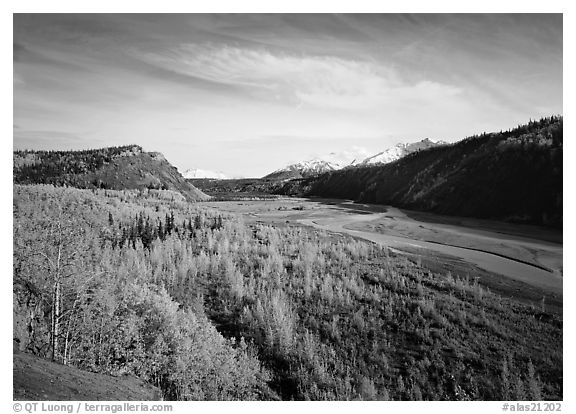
[(38, 379)]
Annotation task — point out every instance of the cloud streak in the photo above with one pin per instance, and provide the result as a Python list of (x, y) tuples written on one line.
[(49, 140), (321, 81)]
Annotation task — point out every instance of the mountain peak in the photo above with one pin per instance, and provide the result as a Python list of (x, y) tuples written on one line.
[(400, 150), (193, 173), (349, 159), (303, 169), (334, 160)]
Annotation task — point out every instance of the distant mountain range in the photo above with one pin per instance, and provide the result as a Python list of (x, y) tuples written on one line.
[(514, 175), (116, 168), (337, 161), (194, 173), (303, 169)]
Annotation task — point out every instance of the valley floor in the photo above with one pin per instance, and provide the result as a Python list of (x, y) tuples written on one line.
[(526, 259)]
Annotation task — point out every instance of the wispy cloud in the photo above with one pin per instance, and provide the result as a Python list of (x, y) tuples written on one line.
[(321, 81), (270, 88)]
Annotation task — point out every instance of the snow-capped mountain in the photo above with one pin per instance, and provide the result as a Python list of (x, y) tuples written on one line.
[(321, 164), (343, 159), (357, 157), (400, 150), (198, 173), (303, 169)]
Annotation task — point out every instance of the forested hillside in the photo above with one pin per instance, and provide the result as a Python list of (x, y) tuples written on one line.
[(118, 168), (204, 306), (100, 284), (514, 176), (241, 188)]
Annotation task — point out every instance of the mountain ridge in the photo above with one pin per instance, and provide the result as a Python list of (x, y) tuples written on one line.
[(513, 176), (116, 168), (302, 169), (337, 161), (400, 150)]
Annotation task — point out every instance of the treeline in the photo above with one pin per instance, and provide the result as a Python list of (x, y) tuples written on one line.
[(50, 167), (145, 229), (513, 175), (220, 310)]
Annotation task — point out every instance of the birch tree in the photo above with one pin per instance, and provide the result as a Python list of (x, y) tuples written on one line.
[(52, 248)]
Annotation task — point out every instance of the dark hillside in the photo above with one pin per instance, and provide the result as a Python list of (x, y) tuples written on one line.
[(513, 176), (36, 379), (287, 174), (233, 189), (116, 168)]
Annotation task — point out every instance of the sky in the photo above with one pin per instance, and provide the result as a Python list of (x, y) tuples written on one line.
[(246, 94)]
